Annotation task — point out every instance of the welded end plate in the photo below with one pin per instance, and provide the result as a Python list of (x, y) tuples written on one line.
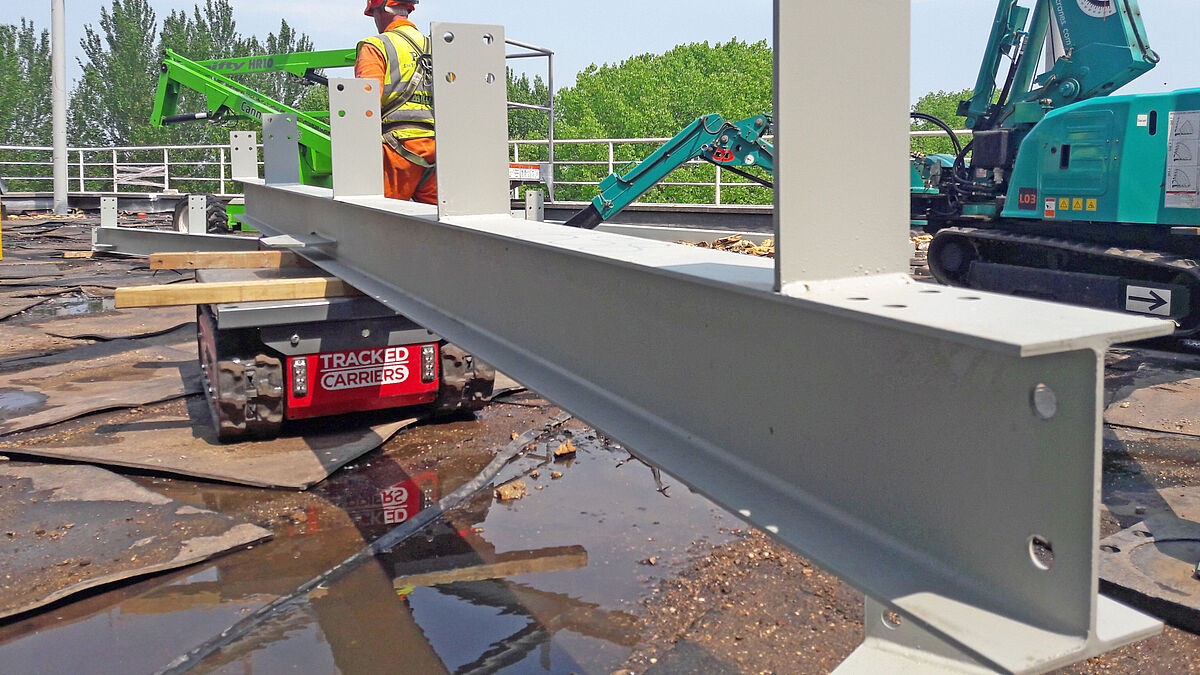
[(281, 149), (472, 130), (108, 212), (243, 154), (355, 132), (197, 214)]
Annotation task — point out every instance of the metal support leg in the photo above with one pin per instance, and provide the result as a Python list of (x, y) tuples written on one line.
[(535, 205), (197, 214), (108, 212)]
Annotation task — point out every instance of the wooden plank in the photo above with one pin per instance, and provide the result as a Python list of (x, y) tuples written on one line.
[(78, 254), (225, 260), (233, 291)]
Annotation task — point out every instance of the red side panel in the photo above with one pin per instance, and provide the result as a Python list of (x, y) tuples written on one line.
[(363, 379)]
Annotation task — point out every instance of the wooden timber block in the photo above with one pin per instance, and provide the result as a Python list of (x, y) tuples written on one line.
[(233, 291), (197, 260)]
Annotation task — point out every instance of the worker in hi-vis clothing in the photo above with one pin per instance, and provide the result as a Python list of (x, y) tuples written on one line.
[(399, 59)]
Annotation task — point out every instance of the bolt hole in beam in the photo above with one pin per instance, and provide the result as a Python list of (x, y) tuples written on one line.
[(1044, 401), (341, 87), (451, 77), (1142, 533), (448, 36), (489, 78), (487, 38), (1108, 548), (1041, 552), (891, 620)]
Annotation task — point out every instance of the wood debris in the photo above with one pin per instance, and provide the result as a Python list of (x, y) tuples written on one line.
[(511, 491), (735, 244), (565, 449)]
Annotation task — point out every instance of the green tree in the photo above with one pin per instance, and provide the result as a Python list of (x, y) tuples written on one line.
[(283, 87), (944, 106), (24, 85), (527, 123), (657, 95), (653, 95), (24, 100), (114, 98), (112, 101)]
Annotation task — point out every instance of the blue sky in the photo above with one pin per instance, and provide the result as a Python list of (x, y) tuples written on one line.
[(948, 35)]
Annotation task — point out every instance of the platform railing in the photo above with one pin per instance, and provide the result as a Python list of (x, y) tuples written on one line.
[(207, 168)]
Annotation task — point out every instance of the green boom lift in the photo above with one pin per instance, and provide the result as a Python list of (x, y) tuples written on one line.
[(227, 100)]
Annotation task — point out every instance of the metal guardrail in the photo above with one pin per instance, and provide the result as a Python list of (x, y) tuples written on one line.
[(107, 170), (159, 167)]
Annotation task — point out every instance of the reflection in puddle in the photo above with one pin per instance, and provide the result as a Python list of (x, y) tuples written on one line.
[(17, 403), (71, 306), (549, 583)]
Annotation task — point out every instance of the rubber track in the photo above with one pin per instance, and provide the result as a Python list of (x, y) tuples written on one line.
[(1156, 259)]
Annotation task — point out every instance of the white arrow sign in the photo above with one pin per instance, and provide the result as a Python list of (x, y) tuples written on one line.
[(1147, 300)]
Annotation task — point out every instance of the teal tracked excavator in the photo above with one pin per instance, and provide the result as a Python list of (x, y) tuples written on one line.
[(1066, 192)]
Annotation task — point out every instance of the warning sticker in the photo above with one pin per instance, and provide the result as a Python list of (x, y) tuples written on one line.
[(1051, 207), (1183, 161)]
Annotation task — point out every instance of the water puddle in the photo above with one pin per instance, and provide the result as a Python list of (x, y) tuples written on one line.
[(71, 306), (546, 583), (17, 403)]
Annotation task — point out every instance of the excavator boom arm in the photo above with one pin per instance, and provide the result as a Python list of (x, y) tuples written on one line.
[(734, 144)]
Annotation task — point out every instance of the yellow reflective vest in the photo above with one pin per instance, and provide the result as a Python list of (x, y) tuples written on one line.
[(407, 104)]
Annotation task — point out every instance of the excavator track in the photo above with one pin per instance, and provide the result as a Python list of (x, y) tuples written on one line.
[(245, 393), (1050, 268)]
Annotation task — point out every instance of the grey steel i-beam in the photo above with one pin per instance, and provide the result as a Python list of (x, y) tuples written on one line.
[(937, 448)]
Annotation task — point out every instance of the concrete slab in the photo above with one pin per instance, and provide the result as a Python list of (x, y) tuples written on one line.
[(184, 443), (113, 376), (1152, 564), (70, 528), (118, 323)]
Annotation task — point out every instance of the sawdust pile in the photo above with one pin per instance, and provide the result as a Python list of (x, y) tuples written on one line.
[(736, 244)]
